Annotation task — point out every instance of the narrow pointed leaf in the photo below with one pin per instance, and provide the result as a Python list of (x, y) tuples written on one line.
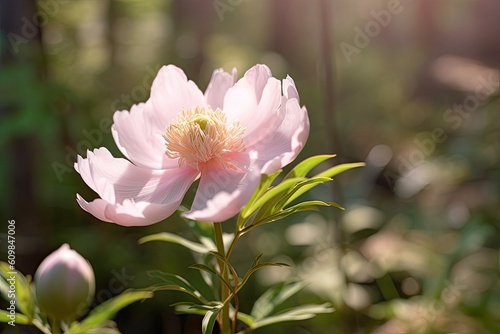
[(304, 206), (108, 310), (170, 287), (279, 189), (207, 269), (190, 308), (208, 322), (330, 173), (222, 258), (304, 167), (109, 327), (295, 314), (264, 185), (203, 230), (245, 318), (300, 188), (25, 301), (176, 239), (176, 283), (256, 260), (258, 267), (274, 297), (21, 319)]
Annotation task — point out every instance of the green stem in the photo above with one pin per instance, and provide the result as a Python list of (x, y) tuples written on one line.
[(224, 322), (56, 329), (233, 243)]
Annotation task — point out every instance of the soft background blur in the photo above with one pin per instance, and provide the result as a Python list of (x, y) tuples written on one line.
[(415, 95)]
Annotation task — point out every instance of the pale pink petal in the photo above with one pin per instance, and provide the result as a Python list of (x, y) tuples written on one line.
[(95, 208), (171, 91), (131, 213), (222, 193), (139, 137), (83, 168), (289, 89), (254, 102), (219, 84), (287, 141), (128, 189)]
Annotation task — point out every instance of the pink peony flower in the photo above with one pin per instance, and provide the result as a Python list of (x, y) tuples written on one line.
[(227, 137)]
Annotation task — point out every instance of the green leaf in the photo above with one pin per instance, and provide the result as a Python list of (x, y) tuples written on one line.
[(207, 269), (272, 193), (208, 322), (21, 319), (228, 264), (107, 310), (277, 203), (329, 173), (295, 191), (25, 301), (109, 327), (173, 238), (221, 257), (307, 165), (176, 283), (295, 314), (257, 267), (247, 319), (304, 206), (264, 185), (274, 297), (191, 308), (204, 231), (256, 260)]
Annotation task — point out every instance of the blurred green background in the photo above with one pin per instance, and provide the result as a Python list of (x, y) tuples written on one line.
[(410, 87)]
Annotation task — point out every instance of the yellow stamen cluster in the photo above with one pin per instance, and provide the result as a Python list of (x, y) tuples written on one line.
[(201, 134)]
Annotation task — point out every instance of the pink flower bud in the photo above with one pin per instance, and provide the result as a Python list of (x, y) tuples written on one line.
[(65, 284)]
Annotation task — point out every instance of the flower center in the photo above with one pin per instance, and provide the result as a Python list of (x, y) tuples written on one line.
[(201, 134)]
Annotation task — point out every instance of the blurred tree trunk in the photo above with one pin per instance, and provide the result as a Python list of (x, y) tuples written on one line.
[(286, 33), (193, 18), (21, 49)]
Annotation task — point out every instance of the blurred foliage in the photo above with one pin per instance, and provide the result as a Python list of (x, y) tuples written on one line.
[(416, 251)]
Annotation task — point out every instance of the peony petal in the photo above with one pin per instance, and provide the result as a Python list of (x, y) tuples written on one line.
[(83, 168), (254, 102), (140, 138), (95, 208), (219, 84), (289, 89), (171, 91), (222, 193), (287, 141), (130, 213), (141, 194)]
